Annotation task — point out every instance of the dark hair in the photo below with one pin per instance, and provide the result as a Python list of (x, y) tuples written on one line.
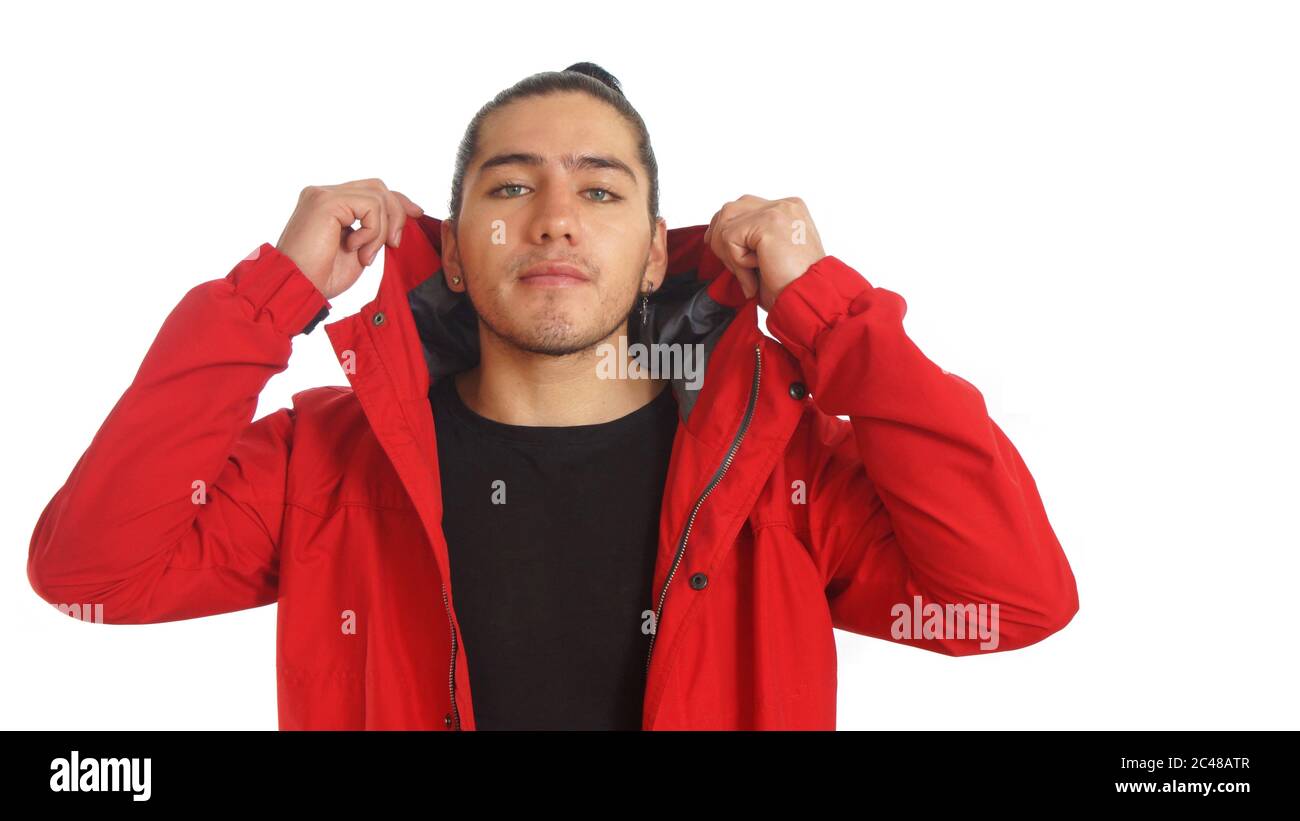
[(585, 77)]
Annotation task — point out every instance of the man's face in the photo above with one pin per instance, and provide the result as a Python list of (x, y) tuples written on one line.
[(517, 214)]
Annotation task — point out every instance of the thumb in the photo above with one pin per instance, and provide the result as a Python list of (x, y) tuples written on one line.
[(748, 279)]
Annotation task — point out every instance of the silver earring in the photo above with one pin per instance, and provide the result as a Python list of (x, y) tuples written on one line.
[(455, 280), (645, 303)]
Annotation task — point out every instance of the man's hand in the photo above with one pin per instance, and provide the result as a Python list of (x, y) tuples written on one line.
[(775, 237), (321, 241)]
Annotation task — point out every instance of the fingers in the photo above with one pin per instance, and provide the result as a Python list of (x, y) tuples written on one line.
[(377, 190), (713, 235), (727, 238), (394, 208), (382, 213), (378, 215), (400, 209), (354, 239), (709, 230), (369, 238), (724, 238), (396, 218), (411, 208), (404, 209)]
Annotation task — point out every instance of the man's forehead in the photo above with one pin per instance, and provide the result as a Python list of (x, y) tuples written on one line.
[(594, 139), (568, 160)]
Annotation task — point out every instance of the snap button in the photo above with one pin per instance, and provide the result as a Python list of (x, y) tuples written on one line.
[(798, 390), (446, 720), (699, 581), (379, 318)]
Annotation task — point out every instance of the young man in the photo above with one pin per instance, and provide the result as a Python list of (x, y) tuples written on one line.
[(571, 484)]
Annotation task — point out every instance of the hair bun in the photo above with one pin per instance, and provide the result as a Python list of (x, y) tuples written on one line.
[(596, 72)]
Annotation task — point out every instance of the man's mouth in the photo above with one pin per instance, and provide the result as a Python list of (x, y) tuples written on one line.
[(554, 275)]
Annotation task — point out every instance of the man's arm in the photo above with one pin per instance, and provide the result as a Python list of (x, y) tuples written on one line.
[(174, 510), (920, 493)]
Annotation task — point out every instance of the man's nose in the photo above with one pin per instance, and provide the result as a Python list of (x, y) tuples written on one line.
[(556, 216)]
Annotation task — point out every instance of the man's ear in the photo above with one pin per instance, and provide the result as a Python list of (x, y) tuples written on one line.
[(657, 259), (450, 255)]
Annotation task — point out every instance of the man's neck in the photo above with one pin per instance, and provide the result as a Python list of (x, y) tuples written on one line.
[(516, 387)]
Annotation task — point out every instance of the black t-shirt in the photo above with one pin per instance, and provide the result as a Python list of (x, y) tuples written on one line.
[(552, 533)]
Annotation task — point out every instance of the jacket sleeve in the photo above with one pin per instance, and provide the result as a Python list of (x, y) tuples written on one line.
[(919, 508), (174, 510)]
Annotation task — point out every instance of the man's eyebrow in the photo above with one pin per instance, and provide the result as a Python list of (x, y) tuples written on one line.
[(570, 162)]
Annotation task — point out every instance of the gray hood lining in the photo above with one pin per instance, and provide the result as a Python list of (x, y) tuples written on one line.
[(681, 312)]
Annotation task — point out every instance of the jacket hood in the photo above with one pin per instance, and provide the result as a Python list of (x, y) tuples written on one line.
[(696, 303)]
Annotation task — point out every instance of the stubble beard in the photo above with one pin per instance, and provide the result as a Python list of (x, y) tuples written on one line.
[(553, 333)]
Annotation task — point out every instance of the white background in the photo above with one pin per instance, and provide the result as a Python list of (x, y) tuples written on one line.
[(1091, 209)]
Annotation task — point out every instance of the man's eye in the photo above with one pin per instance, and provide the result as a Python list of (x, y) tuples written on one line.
[(608, 196), (508, 185)]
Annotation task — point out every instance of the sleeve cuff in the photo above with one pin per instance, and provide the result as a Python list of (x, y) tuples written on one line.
[(278, 290), (324, 311), (814, 301)]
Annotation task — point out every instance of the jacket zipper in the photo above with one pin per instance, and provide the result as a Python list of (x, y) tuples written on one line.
[(451, 676), (717, 477)]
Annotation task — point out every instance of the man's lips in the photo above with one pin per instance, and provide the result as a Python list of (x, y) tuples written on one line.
[(554, 274)]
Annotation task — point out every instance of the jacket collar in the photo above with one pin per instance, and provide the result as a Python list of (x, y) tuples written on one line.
[(433, 330)]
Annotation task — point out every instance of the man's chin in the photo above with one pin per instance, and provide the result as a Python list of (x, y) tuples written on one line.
[(551, 331), (552, 338), (560, 344)]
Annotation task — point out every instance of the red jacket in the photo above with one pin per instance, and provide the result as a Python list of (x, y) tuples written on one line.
[(780, 521)]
